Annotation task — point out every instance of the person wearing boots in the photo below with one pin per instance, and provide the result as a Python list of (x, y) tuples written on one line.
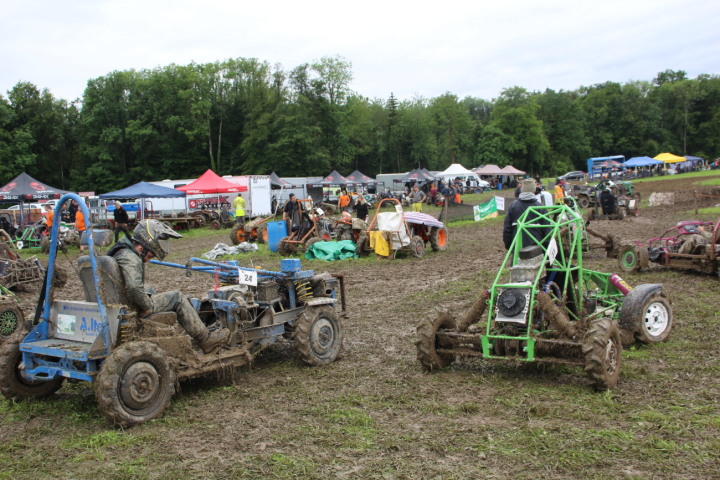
[(121, 218), (150, 240)]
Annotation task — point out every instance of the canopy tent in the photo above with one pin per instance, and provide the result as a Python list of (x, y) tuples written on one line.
[(332, 180), (489, 170), (25, 188), (428, 173), (510, 170), (276, 181), (359, 178), (641, 162), (416, 175), (669, 158), (693, 159), (142, 190), (211, 182), (455, 170)]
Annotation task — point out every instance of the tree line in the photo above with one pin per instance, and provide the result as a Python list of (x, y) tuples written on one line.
[(243, 117)]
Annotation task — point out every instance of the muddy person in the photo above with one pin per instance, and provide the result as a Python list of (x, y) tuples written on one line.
[(150, 240), (417, 197)]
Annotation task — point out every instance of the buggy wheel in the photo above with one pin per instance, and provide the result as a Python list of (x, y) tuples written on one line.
[(11, 318), (602, 349), (45, 244), (13, 385), (361, 247), (426, 342), (237, 234), (655, 321), (135, 384), (417, 246), (318, 335), (583, 201), (215, 225), (438, 239), (285, 247), (629, 258)]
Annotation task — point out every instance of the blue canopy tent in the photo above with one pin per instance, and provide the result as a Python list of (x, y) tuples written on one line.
[(641, 162), (142, 190)]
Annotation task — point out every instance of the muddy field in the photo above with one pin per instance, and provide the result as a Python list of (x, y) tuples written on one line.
[(375, 414)]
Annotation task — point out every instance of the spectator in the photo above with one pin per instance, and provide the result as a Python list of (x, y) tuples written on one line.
[(526, 200)]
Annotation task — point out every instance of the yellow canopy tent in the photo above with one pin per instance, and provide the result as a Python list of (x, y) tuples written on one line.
[(669, 158)]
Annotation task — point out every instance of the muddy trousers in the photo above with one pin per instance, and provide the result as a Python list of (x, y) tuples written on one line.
[(187, 317)]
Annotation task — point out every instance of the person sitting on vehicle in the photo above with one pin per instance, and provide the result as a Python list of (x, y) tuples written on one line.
[(292, 213), (526, 200), (702, 238), (150, 240), (608, 202)]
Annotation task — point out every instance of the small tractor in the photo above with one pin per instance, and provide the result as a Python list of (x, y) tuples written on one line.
[(671, 249), (401, 232), (136, 363), (544, 306), (252, 231), (622, 201), (16, 272), (313, 228)]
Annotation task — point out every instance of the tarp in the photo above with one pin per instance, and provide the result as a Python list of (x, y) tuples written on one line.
[(641, 162), (279, 182), (489, 170), (211, 182), (332, 180), (25, 188), (142, 190), (331, 250), (669, 158), (422, 219), (359, 178)]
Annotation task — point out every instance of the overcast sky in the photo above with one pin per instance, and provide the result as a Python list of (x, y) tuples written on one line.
[(412, 49)]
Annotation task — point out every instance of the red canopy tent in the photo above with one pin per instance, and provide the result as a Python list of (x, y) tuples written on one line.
[(211, 182)]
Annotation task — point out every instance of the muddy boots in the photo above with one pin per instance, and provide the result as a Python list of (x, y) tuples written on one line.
[(215, 340)]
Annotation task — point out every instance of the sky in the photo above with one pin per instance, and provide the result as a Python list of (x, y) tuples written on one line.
[(417, 49)]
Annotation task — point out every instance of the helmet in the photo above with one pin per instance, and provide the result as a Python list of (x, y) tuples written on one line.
[(153, 235)]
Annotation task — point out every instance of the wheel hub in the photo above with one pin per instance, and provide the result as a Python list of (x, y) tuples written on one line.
[(656, 319), (139, 385), (322, 336), (8, 323)]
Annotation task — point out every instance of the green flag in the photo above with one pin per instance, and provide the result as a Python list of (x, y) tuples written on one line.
[(485, 210)]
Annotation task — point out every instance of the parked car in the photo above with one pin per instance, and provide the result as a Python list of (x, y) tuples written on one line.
[(573, 176)]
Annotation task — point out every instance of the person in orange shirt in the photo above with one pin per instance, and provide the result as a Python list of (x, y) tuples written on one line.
[(80, 226), (344, 201), (49, 215)]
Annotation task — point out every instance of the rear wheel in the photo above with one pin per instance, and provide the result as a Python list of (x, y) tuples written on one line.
[(285, 247), (11, 318), (262, 236), (602, 349), (655, 321), (583, 201), (427, 345), (13, 385), (324, 235), (629, 258), (45, 244), (438, 239), (362, 247), (237, 234), (135, 384), (312, 242), (215, 225)]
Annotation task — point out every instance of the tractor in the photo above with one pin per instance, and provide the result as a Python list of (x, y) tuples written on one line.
[(624, 201), (544, 306), (135, 363)]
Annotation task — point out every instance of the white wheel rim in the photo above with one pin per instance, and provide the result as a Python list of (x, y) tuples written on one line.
[(656, 319)]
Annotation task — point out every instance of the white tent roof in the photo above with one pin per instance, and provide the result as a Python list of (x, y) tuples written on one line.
[(455, 169)]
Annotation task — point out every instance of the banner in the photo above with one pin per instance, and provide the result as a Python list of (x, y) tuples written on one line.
[(485, 210)]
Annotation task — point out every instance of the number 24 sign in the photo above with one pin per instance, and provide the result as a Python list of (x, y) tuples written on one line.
[(247, 277)]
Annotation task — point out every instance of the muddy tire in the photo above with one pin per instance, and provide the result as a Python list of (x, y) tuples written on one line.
[(629, 258), (60, 277), (11, 319), (13, 385), (262, 236), (426, 342), (135, 384), (312, 242), (324, 235), (215, 225), (45, 244), (318, 335), (602, 349), (417, 247), (237, 234), (285, 247), (438, 239), (655, 320), (362, 246), (583, 201)]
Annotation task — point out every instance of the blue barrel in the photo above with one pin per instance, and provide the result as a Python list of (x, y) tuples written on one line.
[(499, 186), (276, 232)]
